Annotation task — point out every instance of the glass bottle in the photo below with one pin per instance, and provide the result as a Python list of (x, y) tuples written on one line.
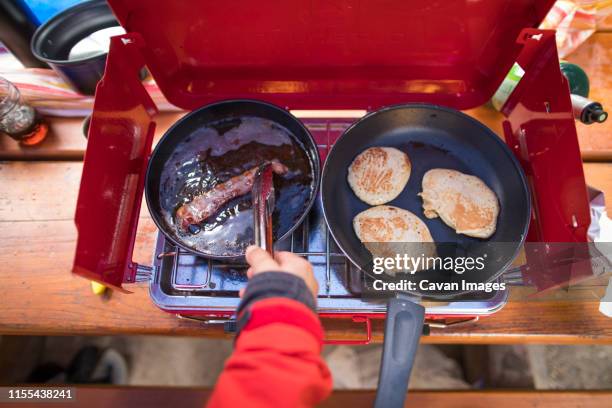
[(17, 119)]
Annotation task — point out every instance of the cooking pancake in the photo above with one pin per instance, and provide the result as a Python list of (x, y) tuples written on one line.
[(387, 231), (379, 174), (464, 202)]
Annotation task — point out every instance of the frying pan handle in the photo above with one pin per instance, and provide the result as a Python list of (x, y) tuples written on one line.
[(403, 329)]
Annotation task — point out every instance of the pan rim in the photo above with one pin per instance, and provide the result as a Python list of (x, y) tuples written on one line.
[(313, 196), (489, 132)]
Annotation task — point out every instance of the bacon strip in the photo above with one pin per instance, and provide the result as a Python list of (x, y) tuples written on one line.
[(207, 203)]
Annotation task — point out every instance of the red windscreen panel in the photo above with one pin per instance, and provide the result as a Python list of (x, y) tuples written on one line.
[(318, 54), (114, 168)]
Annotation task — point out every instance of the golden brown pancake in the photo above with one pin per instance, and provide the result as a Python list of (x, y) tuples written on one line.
[(464, 202), (379, 174), (384, 228)]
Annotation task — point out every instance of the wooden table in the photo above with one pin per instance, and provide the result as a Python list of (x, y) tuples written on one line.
[(38, 295)]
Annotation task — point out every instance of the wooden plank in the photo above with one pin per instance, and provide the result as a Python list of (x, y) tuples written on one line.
[(41, 190), (599, 175), (38, 295), (184, 397), (66, 140), (38, 191)]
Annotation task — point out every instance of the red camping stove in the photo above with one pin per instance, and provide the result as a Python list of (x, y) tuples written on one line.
[(319, 55)]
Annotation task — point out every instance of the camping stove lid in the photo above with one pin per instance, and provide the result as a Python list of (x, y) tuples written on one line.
[(337, 54)]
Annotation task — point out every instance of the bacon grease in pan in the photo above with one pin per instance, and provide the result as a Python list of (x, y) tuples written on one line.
[(208, 203), (214, 154)]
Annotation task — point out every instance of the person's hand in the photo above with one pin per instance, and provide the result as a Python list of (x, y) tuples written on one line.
[(261, 261)]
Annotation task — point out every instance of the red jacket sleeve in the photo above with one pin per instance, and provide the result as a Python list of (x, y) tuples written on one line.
[(277, 360)]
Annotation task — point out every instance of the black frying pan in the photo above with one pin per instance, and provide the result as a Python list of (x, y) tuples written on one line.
[(433, 137), (212, 144)]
